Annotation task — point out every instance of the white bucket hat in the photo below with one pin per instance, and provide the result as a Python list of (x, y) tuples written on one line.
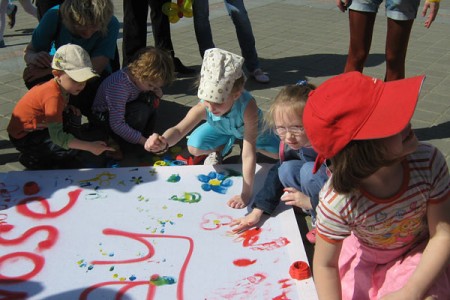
[(75, 61), (220, 69)]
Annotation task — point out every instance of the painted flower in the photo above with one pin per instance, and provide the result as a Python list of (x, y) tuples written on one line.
[(217, 182)]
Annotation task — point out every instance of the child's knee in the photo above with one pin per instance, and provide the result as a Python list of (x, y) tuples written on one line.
[(195, 151)]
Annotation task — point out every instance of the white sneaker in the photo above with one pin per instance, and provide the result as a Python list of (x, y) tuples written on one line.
[(212, 159), (260, 76)]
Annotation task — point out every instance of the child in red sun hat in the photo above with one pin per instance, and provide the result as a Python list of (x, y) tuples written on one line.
[(383, 221)]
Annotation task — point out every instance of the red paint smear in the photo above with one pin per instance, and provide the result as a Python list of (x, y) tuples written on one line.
[(281, 242), (23, 209), (208, 221), (13, 295), (37, 260), (45, 244), (151, 251), (284, 283), (283, 296), (250, 236), (243, 262)]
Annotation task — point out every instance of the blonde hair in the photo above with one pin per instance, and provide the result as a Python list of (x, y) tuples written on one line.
[(87, 13), (150, 64), (290, 98)]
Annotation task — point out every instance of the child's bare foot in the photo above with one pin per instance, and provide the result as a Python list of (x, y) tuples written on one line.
[(237, 202)]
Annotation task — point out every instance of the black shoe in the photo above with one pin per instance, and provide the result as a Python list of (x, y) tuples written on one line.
[(33, 163), (182, 69), (12, 16)]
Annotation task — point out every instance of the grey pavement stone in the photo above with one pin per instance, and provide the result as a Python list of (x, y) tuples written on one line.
[(295, 39)]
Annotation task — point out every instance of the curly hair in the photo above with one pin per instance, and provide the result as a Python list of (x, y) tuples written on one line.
[(290, 98), (87, 13), (357, 161), (151, 64)]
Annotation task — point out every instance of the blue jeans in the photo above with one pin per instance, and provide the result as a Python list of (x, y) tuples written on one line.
[(298, 174), (244, 32)]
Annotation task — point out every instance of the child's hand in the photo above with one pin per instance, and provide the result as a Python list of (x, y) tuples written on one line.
[(238, 201), (98, 147), (242, 224), (342, 5), (158, 92), (156, 143), (294, 197), (434, 8)]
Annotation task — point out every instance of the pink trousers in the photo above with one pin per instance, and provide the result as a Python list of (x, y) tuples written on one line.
[(368, 273)]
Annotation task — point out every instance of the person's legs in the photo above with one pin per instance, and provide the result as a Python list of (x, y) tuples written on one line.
[(202, 27), (43, 5), (160, 26), (29, 7), (361, 30), (39, 152), (135, 13), (206, 139), (244, 32), (397, 39), (3, 7), (161, 34), (289, 173), (311, 184), (141, 116)]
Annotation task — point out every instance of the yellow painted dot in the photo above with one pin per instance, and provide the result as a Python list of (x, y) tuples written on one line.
[(214, 182)]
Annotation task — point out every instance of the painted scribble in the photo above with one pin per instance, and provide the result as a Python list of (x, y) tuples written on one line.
[(187, 197)]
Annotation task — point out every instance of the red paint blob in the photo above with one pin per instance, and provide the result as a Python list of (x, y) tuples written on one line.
[(243, 262), (31, 188)]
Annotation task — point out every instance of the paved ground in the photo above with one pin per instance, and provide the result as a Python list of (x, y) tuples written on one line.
[(296, 39)]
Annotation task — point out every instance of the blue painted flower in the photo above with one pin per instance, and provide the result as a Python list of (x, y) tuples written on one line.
[(217, 182)]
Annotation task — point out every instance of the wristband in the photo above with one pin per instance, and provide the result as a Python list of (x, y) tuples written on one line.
[(163, 151)]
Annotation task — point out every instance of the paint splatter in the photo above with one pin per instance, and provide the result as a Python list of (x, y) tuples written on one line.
[(132, 278), (136, 180), (161, 280), (187, 197), (243, 262), (174, 178), (278, 243)]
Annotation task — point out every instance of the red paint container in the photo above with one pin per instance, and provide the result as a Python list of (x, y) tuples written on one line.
[(300, 270), (31, 188)]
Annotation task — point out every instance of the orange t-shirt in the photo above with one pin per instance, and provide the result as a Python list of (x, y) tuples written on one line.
[(43, 104)]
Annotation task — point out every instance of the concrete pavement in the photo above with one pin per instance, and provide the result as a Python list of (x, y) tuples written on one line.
[(295, 39)]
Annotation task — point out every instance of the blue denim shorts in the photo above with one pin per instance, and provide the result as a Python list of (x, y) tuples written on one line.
[(399, 10)]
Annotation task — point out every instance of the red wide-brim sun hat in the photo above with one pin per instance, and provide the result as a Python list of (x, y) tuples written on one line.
[(353, 106)]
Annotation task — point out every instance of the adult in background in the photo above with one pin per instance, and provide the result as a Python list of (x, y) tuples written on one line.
[(135, 13), (400, 18), (244, 32), (87, 23), (10, 10)]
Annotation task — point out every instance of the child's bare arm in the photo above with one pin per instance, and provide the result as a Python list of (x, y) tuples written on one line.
[(248, 156), (96, 147), (326, 270), (173, 135), (435, 257)]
